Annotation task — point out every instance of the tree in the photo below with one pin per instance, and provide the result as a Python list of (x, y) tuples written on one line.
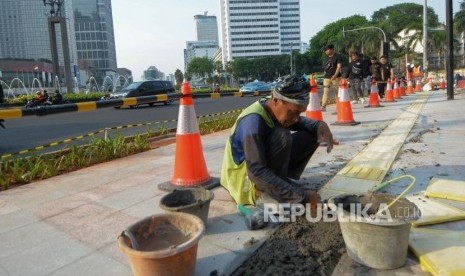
[(201, 66), (459, 19), (404, 17), (178, 76), (240, 68)]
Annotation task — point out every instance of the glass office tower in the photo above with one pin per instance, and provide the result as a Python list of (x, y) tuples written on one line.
[(24, 30), (95, 39)]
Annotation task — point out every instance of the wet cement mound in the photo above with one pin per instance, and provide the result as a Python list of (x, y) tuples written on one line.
[(299, 248)]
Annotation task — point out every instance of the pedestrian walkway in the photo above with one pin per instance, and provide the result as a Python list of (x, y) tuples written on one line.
[(68, 225)]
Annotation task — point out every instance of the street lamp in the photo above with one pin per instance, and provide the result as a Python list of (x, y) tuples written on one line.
[(385, 48), (425, 39)]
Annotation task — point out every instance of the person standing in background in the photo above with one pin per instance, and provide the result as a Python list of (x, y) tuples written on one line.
[(386, 72), (375, 69), (332, 69), (356, 74)]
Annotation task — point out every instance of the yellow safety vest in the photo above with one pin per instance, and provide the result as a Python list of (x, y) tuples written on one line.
[(234, 176)]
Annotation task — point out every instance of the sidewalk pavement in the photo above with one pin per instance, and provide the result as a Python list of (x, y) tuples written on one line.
[(68, 225)]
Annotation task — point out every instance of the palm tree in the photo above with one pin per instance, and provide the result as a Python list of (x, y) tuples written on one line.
[(437, 44), (459, 19)]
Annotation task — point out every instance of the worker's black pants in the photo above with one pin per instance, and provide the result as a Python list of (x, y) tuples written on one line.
[(381, 89), (288, 153)]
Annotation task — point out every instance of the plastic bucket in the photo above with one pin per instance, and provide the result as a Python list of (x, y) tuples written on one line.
[(163, 244), (193, 201), (378, 243)]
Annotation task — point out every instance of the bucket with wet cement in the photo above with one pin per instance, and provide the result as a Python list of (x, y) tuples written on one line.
[(193, 201), (375, 236), (163, 244)]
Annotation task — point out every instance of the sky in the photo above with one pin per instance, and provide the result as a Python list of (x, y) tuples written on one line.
[(154, 32)]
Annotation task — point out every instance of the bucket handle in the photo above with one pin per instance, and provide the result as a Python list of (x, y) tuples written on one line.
[(386, 183), (134, 243)]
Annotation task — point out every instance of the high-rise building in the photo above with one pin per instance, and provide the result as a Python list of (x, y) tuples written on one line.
[(257, 28), (24, 33), (206, 48), (206, 27), (95, 39)]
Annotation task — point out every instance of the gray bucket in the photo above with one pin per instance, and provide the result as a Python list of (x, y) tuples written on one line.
[(193, 201), (378, 243)]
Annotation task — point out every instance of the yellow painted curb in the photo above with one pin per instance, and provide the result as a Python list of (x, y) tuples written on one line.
[(87, 106)]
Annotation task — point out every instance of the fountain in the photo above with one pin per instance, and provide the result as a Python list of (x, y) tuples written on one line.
[(19, 82), (76, 85), (57, 84), (9, 94), (105, 87), (126, 80), (90, 86), (33, 85)]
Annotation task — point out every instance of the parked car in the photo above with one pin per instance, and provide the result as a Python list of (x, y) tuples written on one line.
[(145, 88), (271, 85), (259, 86)]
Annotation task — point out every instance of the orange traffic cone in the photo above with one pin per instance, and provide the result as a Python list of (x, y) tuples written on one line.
[(410, 87), (442, 83), (344, 112), (190, 169), (402, 88), (395, 91), (374, 96), (418, 87), (389, 95), (313, 108)]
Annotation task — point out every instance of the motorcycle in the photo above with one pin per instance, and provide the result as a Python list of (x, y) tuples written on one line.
[(55, 100), (35, 103)]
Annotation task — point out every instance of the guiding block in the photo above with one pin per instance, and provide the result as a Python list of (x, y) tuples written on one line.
[(446, 188), (439, 251)]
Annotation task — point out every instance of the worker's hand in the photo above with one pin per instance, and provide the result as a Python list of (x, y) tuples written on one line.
[(313, 198), (325, 135)]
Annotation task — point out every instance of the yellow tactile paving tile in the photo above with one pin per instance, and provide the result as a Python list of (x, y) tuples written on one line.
[(439, 251), (434, 212), (446, 188), (370, 166)]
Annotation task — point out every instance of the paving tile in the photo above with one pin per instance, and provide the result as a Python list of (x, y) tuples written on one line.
[(211, 258), (112, 251), (93, 264), (119, 185), (129, 197), (15, 220), (145, 208), (41, 253), (31, 195), (55, 207), (7, 207), (347, 267), (93, 224)]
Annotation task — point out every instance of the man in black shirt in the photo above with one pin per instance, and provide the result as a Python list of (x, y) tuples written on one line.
[(332, 69), (386, 72), (356, 72)]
